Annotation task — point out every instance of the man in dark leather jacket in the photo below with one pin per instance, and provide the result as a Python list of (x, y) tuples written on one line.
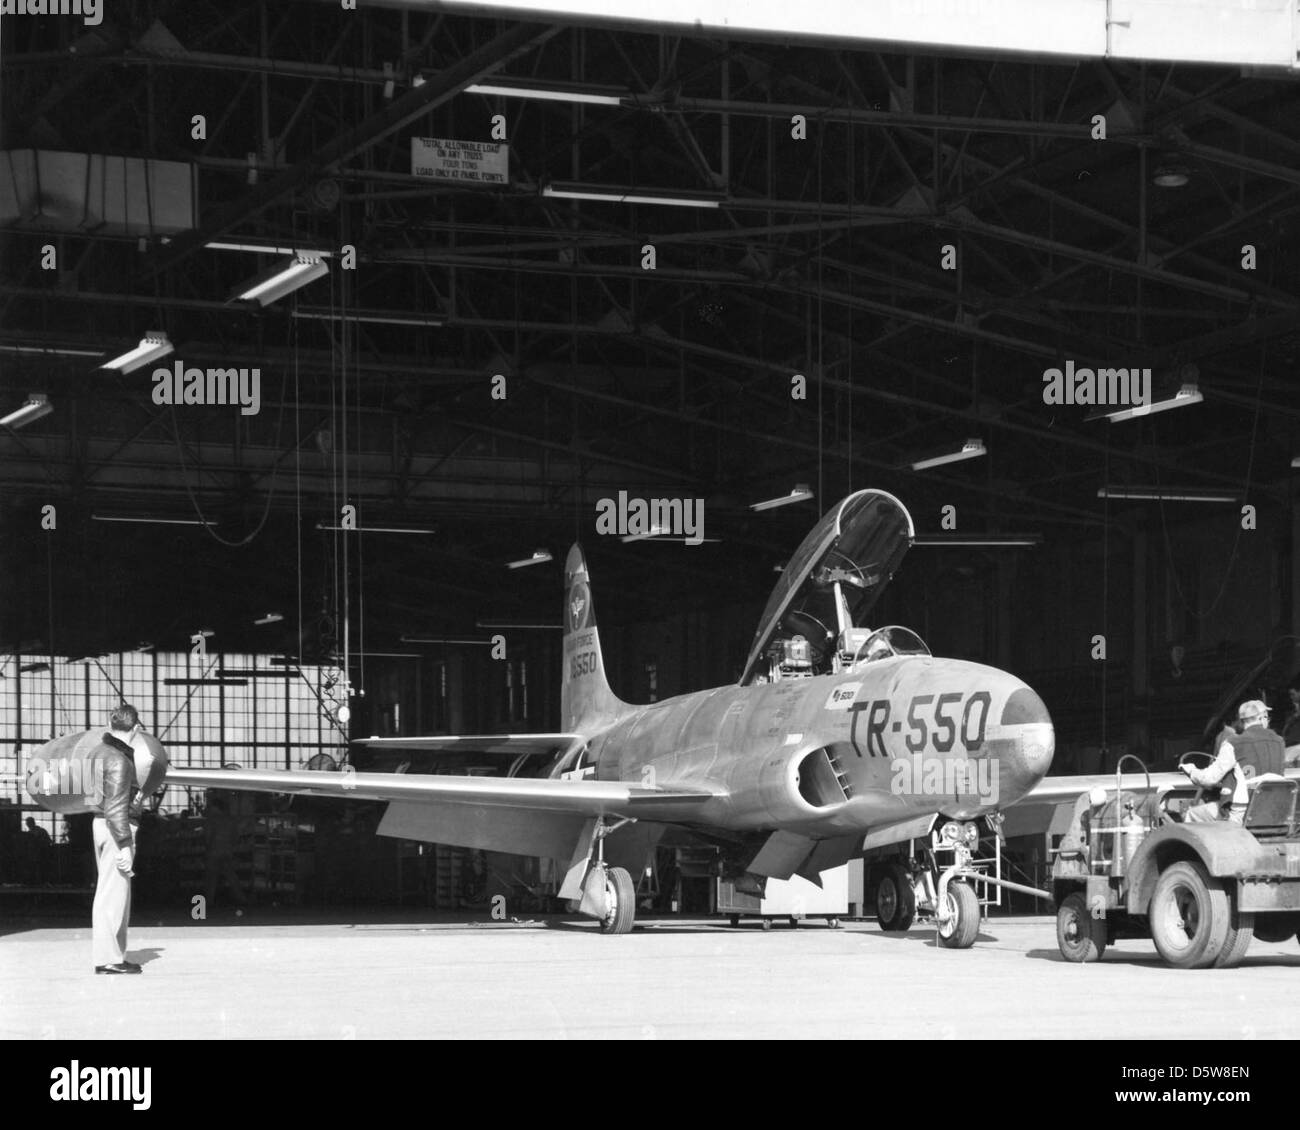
[(114, 840)]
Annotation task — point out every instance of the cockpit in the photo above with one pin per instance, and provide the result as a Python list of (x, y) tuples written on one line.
[(796, 656), (886, 643), (813, 621)]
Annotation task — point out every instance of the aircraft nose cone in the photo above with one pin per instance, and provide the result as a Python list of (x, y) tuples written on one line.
[(1025, 719)]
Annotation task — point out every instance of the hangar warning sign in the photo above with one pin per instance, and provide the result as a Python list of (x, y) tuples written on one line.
[(481, 162)]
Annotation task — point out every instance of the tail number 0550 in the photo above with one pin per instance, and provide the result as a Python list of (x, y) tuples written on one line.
[(583, 664)]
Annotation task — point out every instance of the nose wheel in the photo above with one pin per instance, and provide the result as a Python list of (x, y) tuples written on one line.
[(959, 925)]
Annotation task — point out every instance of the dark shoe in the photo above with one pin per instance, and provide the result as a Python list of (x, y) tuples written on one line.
[(120, 967), (133, 966)]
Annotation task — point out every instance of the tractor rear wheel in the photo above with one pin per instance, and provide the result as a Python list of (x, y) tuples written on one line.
[(1190, 916)]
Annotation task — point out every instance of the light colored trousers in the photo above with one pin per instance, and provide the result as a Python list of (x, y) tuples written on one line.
[(112, 910), (1212, 811)]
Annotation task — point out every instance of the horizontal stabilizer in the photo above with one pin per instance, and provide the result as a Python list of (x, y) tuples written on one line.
[(543, 794)]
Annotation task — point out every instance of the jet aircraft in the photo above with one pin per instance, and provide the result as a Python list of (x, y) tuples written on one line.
[(792, 771)]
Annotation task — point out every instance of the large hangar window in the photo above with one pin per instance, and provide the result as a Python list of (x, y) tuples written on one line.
[(207, 710)]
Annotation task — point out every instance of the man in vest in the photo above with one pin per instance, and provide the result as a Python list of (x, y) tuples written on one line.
[(1252, 753)]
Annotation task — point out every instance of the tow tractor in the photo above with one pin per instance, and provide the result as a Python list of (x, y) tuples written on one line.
[(1129, 868)]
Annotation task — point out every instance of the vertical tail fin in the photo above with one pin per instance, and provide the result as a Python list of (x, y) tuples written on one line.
[(586, 702)]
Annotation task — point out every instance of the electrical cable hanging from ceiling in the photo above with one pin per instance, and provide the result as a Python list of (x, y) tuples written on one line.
[(821, 301), (344, 349), (850, 181), (297, 461), (1236, 541), (232, 543), (1105, 598), (361, 572)]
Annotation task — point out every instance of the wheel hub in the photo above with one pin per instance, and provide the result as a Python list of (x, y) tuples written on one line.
[(887, 900), (1182, 918)]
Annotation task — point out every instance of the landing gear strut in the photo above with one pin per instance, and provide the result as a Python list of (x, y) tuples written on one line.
[(608, 893)]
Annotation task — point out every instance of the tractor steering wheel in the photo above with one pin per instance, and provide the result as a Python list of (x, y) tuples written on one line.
[(1209, 758)]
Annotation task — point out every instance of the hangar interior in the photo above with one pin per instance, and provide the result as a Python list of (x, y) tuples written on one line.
[(685, 266)]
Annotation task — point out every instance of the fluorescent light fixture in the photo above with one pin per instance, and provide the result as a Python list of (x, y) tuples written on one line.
[(51, 350), (612, 195), (1295, 461), (377, 316), (971, 449), (539, 557), (1188, 394), (154, 346), (439, 639), (315, 253), (985, 541), (374, 529), (269, 618), (652, 532), (1165, 494), (686, 541), (801, 493), (284, 278), (150, 520), (542, 94), (35, 406)]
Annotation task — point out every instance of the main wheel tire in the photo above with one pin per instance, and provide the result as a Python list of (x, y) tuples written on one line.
[(1237, 942), (895, 899), (620, 897), (1189, 916), (963, 927), (1079, 936)]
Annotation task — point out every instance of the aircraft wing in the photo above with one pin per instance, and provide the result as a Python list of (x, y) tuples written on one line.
[(584, 797), (1056, 790), (509, 745)]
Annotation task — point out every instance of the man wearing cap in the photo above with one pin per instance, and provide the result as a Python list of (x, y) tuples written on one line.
[(1252, 753)]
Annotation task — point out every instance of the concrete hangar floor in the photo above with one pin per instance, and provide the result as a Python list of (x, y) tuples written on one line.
[(423, 977)]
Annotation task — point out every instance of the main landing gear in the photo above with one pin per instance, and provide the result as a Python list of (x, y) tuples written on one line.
[(608, 893), (620, 901)]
